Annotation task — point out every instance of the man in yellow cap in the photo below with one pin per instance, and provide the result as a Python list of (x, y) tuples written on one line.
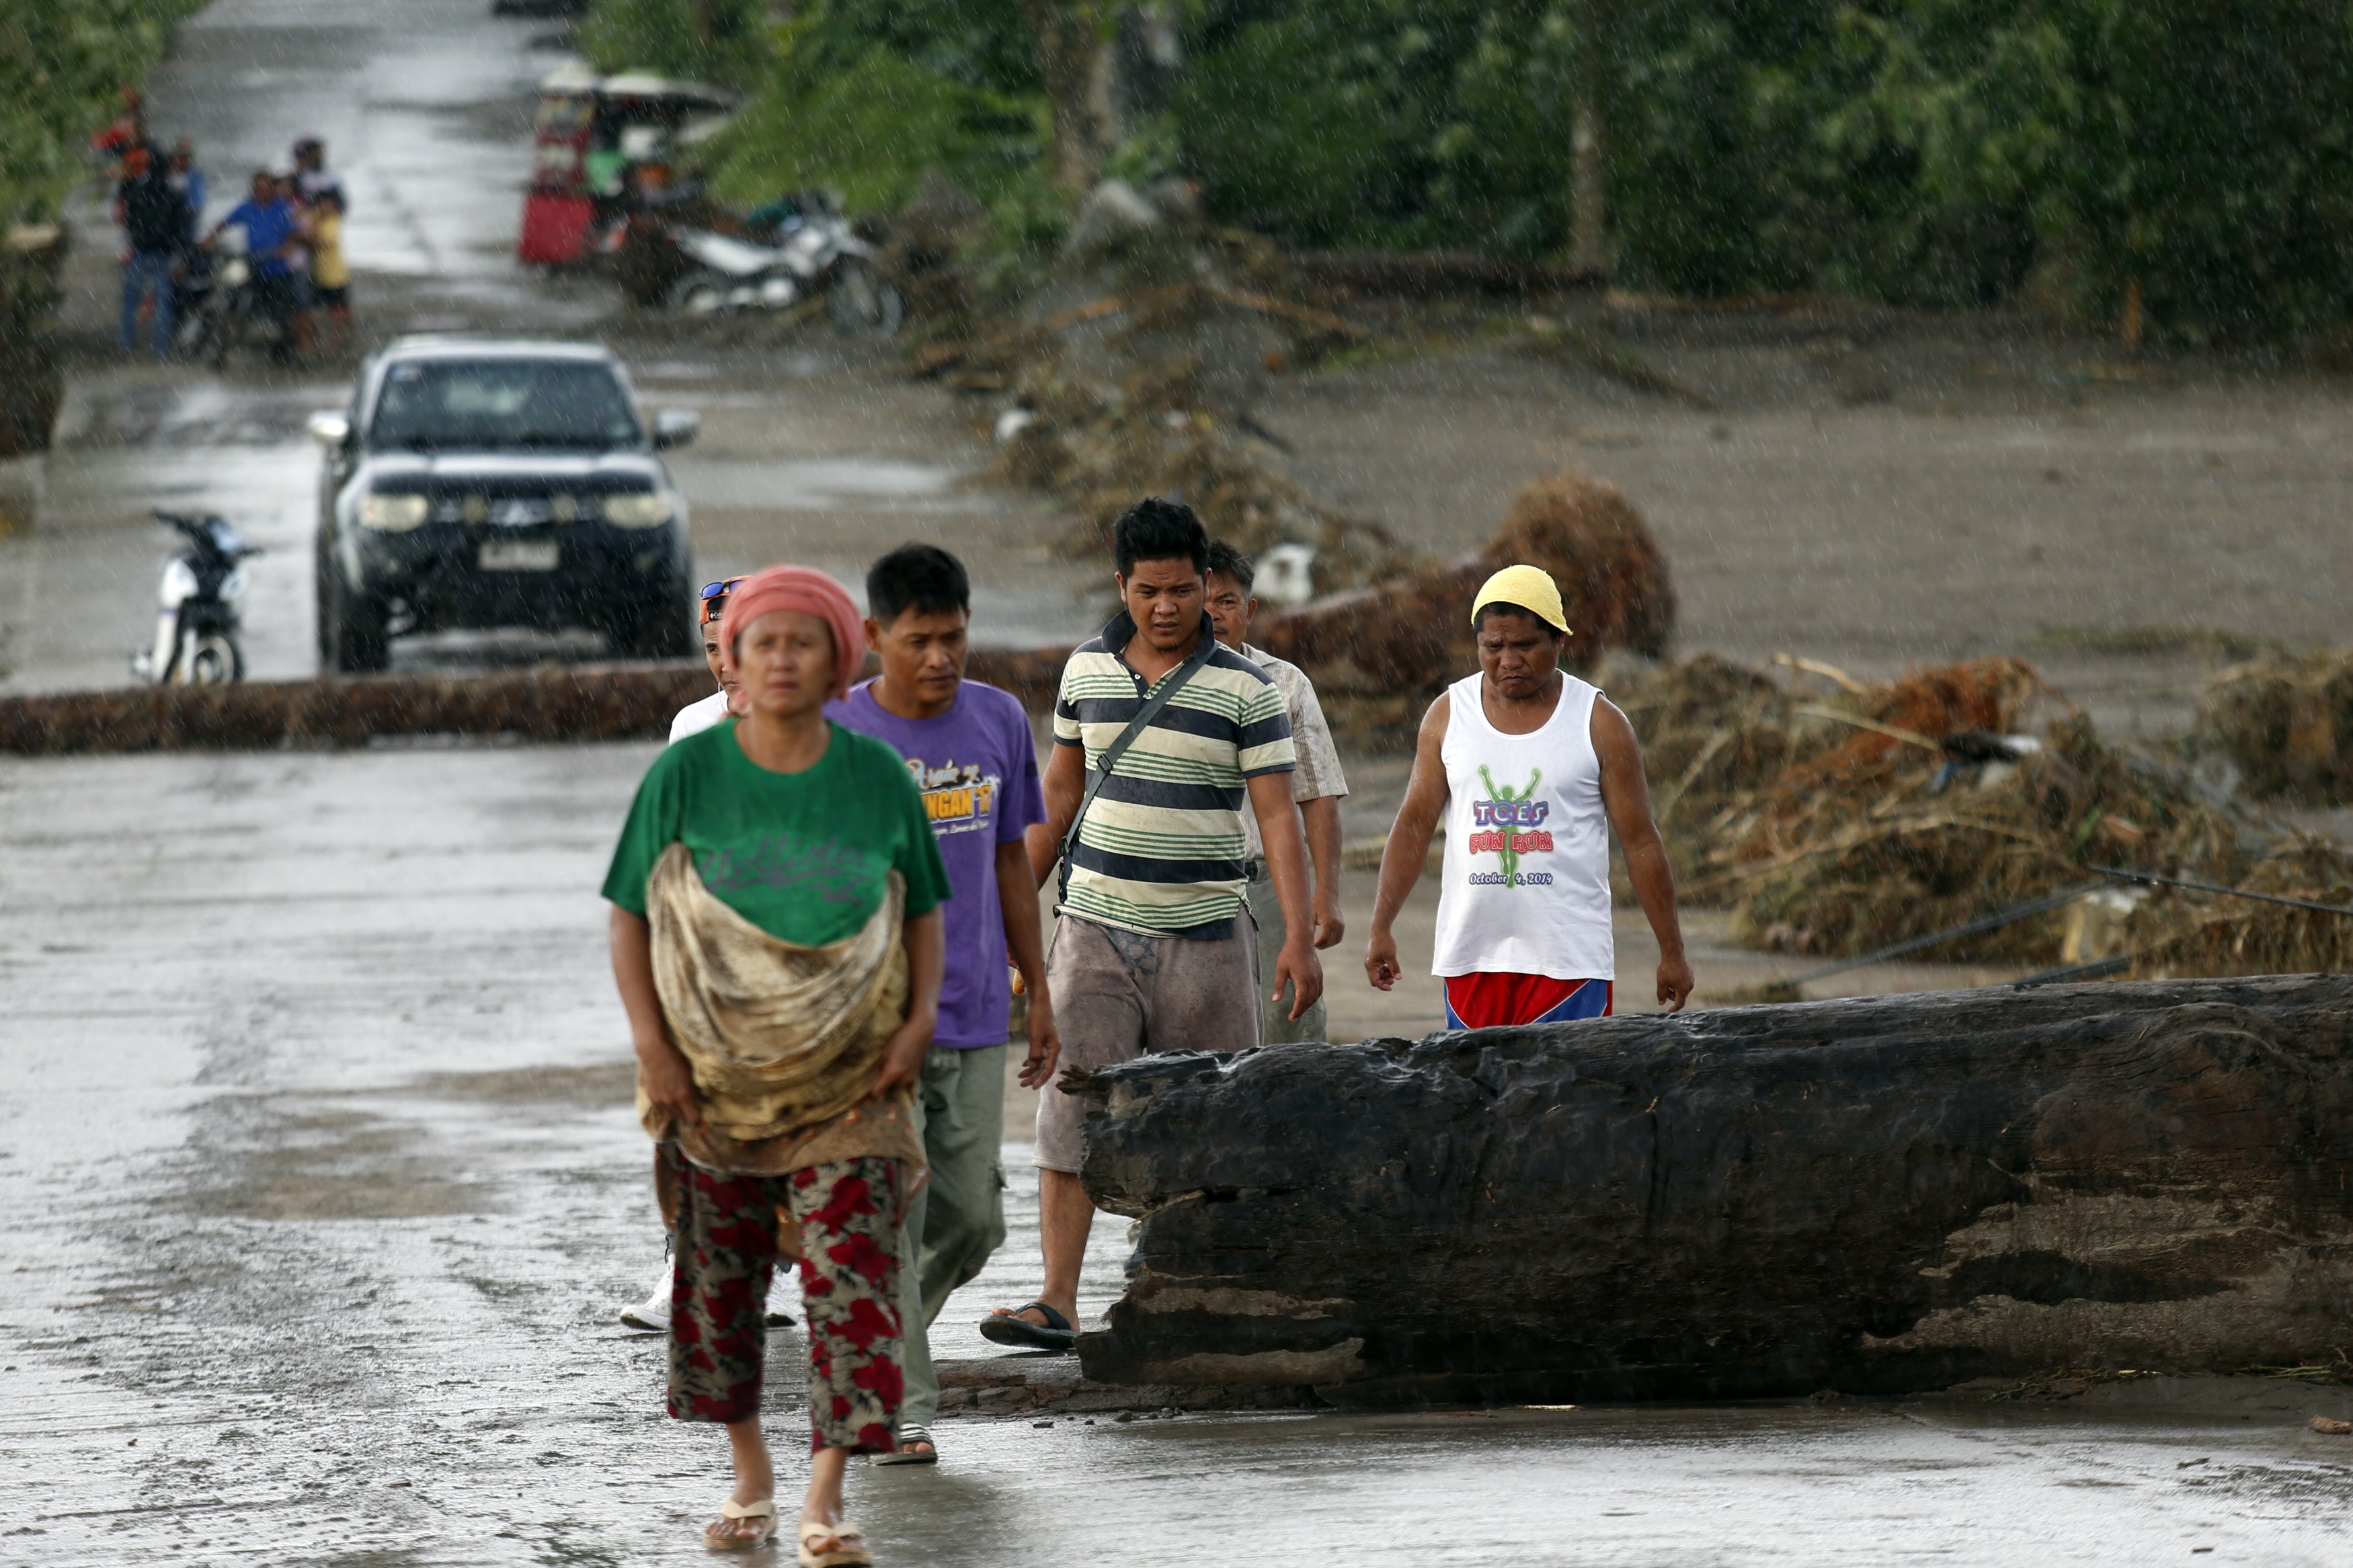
[(1530, 769)]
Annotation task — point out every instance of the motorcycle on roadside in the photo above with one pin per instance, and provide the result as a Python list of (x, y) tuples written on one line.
[(814, 251), (194, 284), (229, 315), (197, 619)]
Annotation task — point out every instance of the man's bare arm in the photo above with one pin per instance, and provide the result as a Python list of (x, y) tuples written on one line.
[(1409, 845), (1321, 817), (1016, 896), (1626, 796), (1286, 863), (1066, 785), (924, 938)]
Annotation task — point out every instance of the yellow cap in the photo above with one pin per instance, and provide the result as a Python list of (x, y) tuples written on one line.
[(1529, 587)]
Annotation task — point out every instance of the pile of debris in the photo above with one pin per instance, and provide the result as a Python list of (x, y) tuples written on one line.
[(1411, 633), (2285, 720), (1843, 823), (1161, 433), (2179, 932), (1133, 367)]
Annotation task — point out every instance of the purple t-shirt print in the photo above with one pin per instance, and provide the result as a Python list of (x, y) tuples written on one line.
[(975, 766)]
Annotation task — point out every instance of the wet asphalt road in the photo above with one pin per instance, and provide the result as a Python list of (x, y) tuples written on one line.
[(320, 1185), (812, 449)]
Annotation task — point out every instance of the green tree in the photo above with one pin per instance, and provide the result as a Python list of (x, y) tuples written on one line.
[(861, 97), (708, 40), (62, 71)]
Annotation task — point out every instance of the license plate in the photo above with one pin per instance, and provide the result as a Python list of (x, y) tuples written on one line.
[(519, 555)]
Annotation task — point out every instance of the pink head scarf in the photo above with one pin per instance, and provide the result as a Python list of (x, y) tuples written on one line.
[(809, 593)]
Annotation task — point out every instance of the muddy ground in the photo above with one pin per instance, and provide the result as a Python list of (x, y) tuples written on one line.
[(317, 1176), (320, 1186)]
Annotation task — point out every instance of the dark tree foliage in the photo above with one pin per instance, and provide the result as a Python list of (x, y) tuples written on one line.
[(1942, 153), (1382, 122), (977, 43), (1933, 152), (708, 40), (63, 69)]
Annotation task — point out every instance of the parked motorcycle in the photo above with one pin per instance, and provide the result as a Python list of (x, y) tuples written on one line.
[(194, 286), (232, 316), (815, 252), (196, 618)]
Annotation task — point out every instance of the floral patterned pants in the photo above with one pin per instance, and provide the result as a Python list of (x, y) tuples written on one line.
[(849, 1214)]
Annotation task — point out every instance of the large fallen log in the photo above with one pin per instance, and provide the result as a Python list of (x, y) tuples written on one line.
[(1876, 1196)]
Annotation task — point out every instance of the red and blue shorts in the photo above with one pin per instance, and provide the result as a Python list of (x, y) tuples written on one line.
[(1498, 1000)]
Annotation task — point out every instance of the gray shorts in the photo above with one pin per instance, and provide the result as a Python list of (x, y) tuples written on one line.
[(1119, 995)]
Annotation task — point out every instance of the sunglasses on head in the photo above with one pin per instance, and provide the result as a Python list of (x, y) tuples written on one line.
[(719, 590)]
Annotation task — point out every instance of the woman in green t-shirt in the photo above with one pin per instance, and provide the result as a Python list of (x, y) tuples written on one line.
[(777, 938)]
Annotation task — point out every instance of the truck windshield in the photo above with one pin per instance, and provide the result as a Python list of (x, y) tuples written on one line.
[(501, 405)]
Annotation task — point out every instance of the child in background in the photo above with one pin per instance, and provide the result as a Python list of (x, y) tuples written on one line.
[(331, 275)]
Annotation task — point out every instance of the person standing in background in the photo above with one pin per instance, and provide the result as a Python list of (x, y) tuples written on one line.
[(969, 750), (700, 715), (127, 130), (311, 178), (331, 276), (273, 243), (1531, 769), (1317, 786), (155, 220), (189, 180)]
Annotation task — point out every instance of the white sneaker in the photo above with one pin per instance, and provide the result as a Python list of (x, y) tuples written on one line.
[(652, 1314)]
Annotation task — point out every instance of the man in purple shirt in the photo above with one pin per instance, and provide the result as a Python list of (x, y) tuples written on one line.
[(975, 764)]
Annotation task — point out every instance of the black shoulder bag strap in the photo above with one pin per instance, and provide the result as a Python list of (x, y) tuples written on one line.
[(1170, 686)]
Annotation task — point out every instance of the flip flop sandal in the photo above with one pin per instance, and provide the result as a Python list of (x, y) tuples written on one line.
[(912, 1432), (1009, 1329), (764, 1510), (852, 1552)]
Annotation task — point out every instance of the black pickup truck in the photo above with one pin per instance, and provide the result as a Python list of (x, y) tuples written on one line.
[(498, 482)]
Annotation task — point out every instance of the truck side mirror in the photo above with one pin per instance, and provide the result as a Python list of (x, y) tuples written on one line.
[(331, 429), (676, 428)]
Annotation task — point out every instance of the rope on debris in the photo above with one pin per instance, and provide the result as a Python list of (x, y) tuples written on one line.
[(1993, 921), (2194, 885)]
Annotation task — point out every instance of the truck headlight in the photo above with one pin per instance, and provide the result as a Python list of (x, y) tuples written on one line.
[(638, 509), (392, 512)]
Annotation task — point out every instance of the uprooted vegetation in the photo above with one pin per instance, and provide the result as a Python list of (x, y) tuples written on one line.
[(2285, 720), (1129, 364), (1837, 821), (1403, 639)]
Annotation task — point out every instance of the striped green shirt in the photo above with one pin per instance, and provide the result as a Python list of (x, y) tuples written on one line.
[(1161, 850)]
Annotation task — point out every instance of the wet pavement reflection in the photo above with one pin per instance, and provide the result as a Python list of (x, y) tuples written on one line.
[(320, 1189)]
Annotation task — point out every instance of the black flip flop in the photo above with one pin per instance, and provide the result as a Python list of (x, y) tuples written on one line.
[(1010, 1328), (912, 1432)]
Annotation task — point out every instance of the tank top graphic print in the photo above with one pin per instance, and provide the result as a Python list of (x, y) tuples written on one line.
[(1525, 888)]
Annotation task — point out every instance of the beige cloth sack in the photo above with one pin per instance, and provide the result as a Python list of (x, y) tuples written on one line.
[(784, 1041)]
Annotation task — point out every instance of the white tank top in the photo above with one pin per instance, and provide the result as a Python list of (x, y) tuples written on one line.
[(1526, 885)]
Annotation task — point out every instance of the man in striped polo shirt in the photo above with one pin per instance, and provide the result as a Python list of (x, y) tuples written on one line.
[(1152, 943)]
